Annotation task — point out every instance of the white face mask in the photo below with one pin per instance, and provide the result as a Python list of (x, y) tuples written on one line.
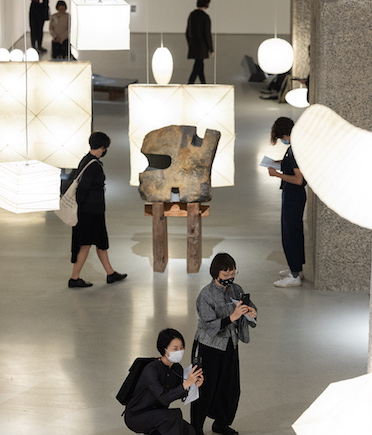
[(175, 357)]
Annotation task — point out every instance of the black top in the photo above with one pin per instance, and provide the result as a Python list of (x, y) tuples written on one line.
[(90, 194), (158, 386), (288, 166), (198, 35)]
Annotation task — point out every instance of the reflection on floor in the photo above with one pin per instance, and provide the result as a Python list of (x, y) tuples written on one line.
[(65, 352)]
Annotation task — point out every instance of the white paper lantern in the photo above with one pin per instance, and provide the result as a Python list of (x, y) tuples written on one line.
[(275, 56), (31, 55), (16, 55), (162, 65), (204, 106), (4, 55), (29, 186), (297, 98), (100, 25)]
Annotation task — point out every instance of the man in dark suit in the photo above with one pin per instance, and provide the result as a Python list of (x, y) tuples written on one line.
[(199, 39), (39, 13)]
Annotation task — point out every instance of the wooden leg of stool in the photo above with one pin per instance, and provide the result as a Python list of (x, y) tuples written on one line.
[(159, 237), (194, 240)]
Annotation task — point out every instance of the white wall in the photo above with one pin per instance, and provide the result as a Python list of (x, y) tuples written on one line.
[(170, 16)]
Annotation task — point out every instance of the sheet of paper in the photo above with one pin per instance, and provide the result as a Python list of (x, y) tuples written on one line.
[(193, 390), (267, 161), (247, 316)]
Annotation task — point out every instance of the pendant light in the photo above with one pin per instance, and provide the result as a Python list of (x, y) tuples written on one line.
[(162, 64)]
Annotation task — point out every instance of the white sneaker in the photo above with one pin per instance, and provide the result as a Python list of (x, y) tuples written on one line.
[(288, 281), (284, 273)]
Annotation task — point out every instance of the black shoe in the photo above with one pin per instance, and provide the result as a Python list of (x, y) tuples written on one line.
[(115, 277), (222, 429), (42, 50), (78, 283)]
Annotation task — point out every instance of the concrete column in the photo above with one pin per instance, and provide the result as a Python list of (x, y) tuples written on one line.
[(301, 20), (340, 78)]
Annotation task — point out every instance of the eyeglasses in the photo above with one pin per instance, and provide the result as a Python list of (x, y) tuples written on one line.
[(229, 273)]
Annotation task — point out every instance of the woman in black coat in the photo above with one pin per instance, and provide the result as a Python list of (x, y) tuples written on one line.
[(91, 226), (199, 39)]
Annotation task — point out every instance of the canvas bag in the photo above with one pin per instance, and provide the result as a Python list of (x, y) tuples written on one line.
[(68, 207)]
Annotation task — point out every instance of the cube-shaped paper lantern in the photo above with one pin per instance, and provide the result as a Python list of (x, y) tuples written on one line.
[(59, 112), (29, 186), (100, 25), (204, 106)]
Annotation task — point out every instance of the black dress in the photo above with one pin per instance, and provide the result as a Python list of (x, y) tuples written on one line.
[(90, 196), (147, 411)]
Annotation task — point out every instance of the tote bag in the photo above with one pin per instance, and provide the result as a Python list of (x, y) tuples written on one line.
[(68, 207)]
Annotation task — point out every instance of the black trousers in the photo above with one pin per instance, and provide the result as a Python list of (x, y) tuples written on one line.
[(159, 421), (36, 23), (220, 392), (293, 228), (60, 49), (197, 71)]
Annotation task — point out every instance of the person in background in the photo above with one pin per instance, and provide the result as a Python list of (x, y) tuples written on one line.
[(222, 323), (293, 205), (162, 382), (91, 226), (59, 26), (39, 13), (199, 39)]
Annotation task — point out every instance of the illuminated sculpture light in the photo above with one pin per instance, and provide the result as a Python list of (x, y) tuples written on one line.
[(162, 65), (297, 98), (100, 25), (207, 107), (275, 56), (4, 55)]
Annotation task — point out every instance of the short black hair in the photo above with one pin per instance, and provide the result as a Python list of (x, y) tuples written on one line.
[(221, 261), (99, 139), (61, 3), (282, 126), (165, 337), (202, 3)]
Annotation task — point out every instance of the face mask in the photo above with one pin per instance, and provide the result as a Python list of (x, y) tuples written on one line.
[(225, 282), (286, 142), (175, 357), (104, 153)]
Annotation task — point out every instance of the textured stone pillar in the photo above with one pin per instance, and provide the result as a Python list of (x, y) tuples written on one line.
[(341, 78), (301, 19)]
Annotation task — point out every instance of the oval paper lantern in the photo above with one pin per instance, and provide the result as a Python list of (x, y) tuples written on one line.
[(162, 65), (275, 56), (297, 98), (31, 55), (4, 55), (16, 55)]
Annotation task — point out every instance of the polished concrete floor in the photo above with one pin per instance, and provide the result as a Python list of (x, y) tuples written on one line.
[(65, 352)]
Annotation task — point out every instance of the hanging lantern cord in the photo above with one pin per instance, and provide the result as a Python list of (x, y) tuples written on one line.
[(275, 22), (26, 76)]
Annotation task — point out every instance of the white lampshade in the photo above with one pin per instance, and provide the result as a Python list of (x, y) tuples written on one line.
[(59, 112), (16, 55), (297, 97), (100, 25), (162, 65), (207, 106), (29, 186), (335, 159), (4, 55), (275, 56), (31, 55)]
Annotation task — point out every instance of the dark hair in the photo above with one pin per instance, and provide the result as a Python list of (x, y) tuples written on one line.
[(165, 337), (221, 261), (98, 139), (202, 3), (282, 126), (61, 3)]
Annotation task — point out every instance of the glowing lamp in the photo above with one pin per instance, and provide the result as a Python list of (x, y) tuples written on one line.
[(162, 65), (31, 55), (29, 186), (297, 97), (275, 56), (16, 55), (206, 107), (4, 55), (100, 25)]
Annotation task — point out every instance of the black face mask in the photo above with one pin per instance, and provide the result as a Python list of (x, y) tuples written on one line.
[(226, 282), (104, 153)]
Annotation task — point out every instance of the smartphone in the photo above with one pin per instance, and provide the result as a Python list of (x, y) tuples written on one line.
[(197, 361), (246, 299)]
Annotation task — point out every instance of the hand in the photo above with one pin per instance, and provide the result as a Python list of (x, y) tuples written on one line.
[(272, 172), (196, 375), (252, 312), (240, 309), (212, 53)]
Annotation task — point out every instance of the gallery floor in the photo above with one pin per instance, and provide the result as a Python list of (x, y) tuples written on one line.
[(65, 352)]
